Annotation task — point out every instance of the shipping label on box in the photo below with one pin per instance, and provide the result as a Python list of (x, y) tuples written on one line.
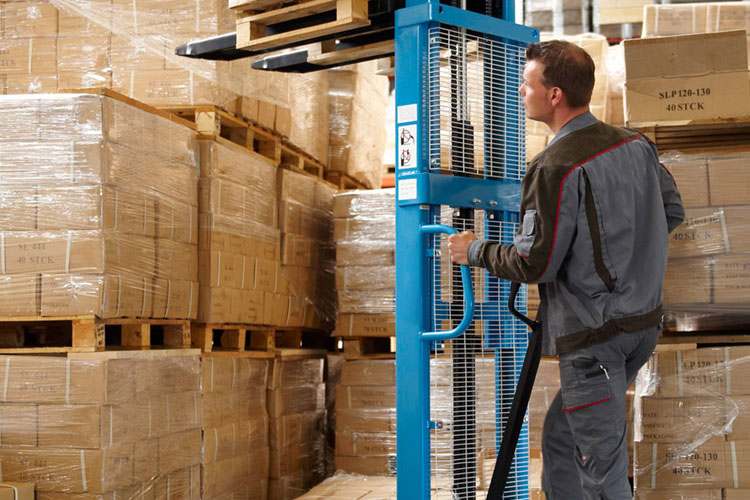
[(371, 396), (671, 420), (731, 279), (686, 78), (704, 232), (366, 325)]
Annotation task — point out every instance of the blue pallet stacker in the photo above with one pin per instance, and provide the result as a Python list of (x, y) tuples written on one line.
[(465, 362)]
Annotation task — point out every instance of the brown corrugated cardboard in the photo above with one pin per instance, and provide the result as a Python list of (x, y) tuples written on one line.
[(28, 56), (679, 494), (179, 451), (175, 260), (704, 232), (21, 294), (688, 281), (294, 372), (364, 397), (297, 428), (715, 464), (295, 458), (366, 325), (291, 400), (701, 372), (684, 78), (358, 444), (176, 220), (175, 298), (366, 421), (691, 177), (18, 426), (378, 373), (29, 19), (16, 491), (731, 279), (729, 180), (75, 471), (370, 466)]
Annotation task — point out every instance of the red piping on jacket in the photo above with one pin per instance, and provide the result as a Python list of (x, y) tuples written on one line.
[(559, 198), (584, 406)]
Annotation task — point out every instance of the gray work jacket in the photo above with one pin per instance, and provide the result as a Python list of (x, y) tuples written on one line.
[(597, 208)]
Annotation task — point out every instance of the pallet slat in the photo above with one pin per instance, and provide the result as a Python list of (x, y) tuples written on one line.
[(230, 337)]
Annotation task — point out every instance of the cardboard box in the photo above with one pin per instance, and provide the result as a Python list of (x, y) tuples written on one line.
[(691, 177), (88, 54), (686, 78), (74, 471), (353, 444), (294, 372), (106, 296), (176, 220), (688, 281), (175, 260), (297, 457), (16, 491), (370, 396), (370, 466), (291, 400), (619, 11), (179, 451), (230, 162), (175, 299), (371, 228), (366, 421), (28, 55), (729, 180), (680, 494), (674, 420), (29, 20), (701, 372), (17, 83), (367, 325), (704, 232), (710, 465), (19, 424), (75, 25), (377, 373), (89, 426), (297, 428), (20, 295), (367, 253), (731, 279)]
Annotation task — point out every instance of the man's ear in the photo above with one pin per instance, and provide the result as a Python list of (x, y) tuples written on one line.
[(557, 96)]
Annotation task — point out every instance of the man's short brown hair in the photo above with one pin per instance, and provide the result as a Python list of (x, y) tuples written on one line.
[(566, 66)]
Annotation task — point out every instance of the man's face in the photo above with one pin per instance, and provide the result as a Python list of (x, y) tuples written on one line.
[(536, 97)]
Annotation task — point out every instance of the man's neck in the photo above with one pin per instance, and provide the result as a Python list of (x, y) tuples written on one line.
[(563, 116)]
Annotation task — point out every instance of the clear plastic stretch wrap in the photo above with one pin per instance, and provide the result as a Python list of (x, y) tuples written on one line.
[(342, 486), (357, 100), (236, 456), (99, 209), (691, 433), (364, 232), (297, 425), (558, 16), (128, 45), (239, 238), (114, 425), (307, 251), (707, 283)]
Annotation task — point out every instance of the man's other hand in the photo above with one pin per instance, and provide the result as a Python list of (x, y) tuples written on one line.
[(458, 245)]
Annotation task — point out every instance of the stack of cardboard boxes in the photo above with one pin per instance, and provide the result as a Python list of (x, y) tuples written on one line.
[(364, 232), (107, 427), (680, 79), (709, 254), (100, 209), (366, 417), (568, 17), (239, 236), (679, 19), (297, 424), (691, 430), (353, 485), (235, 457), (618, 18), (129, 46), (357, 99), (305, 296)]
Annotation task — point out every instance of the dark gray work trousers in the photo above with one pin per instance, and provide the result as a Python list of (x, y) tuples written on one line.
[(584, 443)]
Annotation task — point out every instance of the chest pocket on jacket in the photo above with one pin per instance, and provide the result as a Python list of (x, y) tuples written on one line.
[(596, 238), (525, 240)]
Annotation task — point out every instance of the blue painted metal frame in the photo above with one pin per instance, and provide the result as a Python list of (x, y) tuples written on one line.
[(419, 195)]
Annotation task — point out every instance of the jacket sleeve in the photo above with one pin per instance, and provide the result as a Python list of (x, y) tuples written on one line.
[(673, 209), (549, 211)]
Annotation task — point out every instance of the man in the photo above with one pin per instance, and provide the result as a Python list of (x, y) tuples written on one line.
[(596, 208)]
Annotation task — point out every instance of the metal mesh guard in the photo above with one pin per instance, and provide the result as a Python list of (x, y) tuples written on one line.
[(476, 114), (473, 378)]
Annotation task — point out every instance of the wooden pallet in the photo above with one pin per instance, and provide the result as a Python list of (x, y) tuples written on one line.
[(61, 334), (233, 337), (212, 122), (370, 348), (344, 181), (294, 158), (266, 30), (701, 136), (327, 54)]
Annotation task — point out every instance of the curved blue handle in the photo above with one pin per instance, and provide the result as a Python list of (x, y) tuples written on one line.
[(468, 292)]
